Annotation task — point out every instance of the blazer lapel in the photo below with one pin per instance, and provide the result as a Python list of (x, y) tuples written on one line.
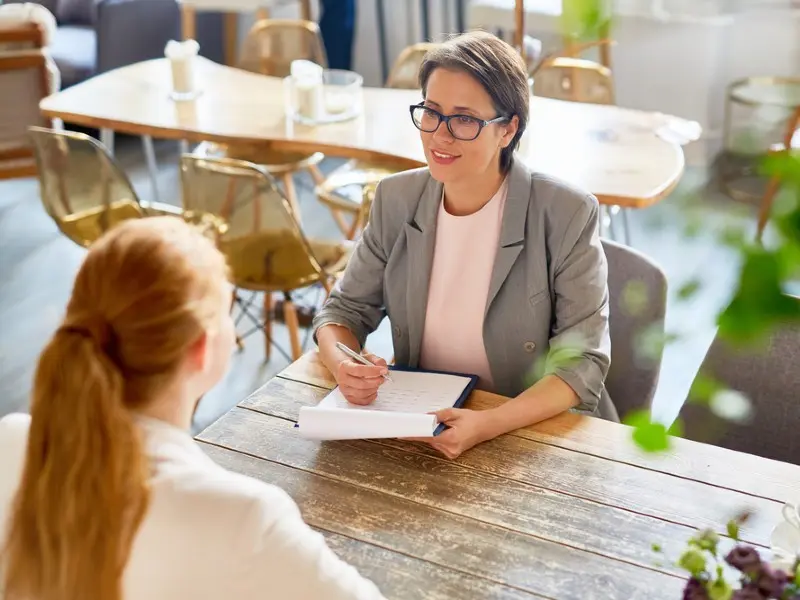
[(512, 232), (421, 240)]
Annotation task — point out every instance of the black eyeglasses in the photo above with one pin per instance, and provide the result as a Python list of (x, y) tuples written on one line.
[(462, 127)]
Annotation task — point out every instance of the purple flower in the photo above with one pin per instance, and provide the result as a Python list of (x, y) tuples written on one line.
[(748, 592), (770, 582), (744, 558), (695, 590)]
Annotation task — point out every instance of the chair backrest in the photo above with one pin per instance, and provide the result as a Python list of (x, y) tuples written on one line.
[(272, 45), (252, 221), (575, 80), (82, 187), (768, 374), (27, 75), (25, 26), (405, 71), (637, 289)]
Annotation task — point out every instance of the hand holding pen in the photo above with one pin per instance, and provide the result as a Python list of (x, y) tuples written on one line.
[(359, 376)]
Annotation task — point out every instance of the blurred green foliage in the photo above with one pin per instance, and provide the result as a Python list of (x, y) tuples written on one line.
[(759, 303)]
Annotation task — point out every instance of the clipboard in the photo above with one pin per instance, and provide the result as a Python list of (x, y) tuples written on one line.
[(403, 407)]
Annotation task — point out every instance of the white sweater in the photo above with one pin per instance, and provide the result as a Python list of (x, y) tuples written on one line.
[(209, 533)]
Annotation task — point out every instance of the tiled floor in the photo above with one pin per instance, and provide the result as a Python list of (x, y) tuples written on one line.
[(37, 265)]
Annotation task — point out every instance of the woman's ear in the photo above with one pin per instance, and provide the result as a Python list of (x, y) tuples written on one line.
[(511, 130), (198, 353)]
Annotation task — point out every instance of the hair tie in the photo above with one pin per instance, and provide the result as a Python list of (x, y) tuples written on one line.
[(97, 329)]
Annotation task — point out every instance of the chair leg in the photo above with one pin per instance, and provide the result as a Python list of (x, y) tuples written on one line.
[(356, 225), (347, 230), (268, 324), (612, 223), (626, 225), (766, 206), (327, 285), (107, 139), (239, 340), (291, 195), (290, 319), (316, 175), (305, 10), (152, 166)]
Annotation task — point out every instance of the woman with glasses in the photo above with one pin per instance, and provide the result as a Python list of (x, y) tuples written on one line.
[(482, 266)]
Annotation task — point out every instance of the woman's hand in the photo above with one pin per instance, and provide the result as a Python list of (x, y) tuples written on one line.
[(359, 383), (466, 428)]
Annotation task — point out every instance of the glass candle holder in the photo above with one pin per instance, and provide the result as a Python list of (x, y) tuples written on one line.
[(338, 97), (342, 92)]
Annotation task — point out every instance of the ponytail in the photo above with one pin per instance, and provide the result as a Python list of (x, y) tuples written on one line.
[(84, 485), (147, 291)]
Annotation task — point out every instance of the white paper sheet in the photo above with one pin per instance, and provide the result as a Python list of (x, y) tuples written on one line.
[(401, 409)]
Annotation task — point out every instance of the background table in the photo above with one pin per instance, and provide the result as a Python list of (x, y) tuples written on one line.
[(567, 509), (613, 152)]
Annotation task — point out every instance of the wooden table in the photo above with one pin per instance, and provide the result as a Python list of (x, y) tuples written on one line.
[(613, 152), (566, 509)]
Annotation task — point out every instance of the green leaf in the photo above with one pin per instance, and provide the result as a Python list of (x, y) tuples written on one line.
[(733, 530), (693, 561), (565, 353), (785, 166), (720, 590), (676, 429), (759, 302), (657, 548), (789, 224), (703, 388), (633, 299), (649, 343), (584, 19), (797, 575), (689, 289), (707, 540), (649, 436), (735, 237)]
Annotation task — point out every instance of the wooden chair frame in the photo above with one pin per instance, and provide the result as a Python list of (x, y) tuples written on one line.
[(23, 61)]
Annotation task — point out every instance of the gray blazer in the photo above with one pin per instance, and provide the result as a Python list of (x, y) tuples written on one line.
[(548, 288)]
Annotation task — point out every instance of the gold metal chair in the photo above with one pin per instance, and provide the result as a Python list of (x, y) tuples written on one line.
[(580, 80), (356, 174), (568, 77), (575, 80), (82, 188), (259, 232), (269, 49)]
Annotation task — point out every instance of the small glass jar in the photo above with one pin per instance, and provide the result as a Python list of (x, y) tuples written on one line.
[(342, 93), (338, 97)]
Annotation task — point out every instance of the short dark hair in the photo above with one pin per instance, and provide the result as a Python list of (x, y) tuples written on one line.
[(498, 68)]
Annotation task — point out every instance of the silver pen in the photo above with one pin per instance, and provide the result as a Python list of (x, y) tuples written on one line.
[(357, 357)]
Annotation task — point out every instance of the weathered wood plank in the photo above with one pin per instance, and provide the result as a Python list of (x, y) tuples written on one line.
[(448, 486), (621, 485), (716, 466), (398, 576), (460, 543)]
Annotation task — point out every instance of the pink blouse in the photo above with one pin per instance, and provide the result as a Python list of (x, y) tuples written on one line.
[(465, 248)]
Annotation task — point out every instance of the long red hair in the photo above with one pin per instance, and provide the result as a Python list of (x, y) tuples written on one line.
[(146, 292)]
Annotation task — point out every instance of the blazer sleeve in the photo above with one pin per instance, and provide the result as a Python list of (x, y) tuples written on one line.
[(357, 302), (280, 556), (580, 343)]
